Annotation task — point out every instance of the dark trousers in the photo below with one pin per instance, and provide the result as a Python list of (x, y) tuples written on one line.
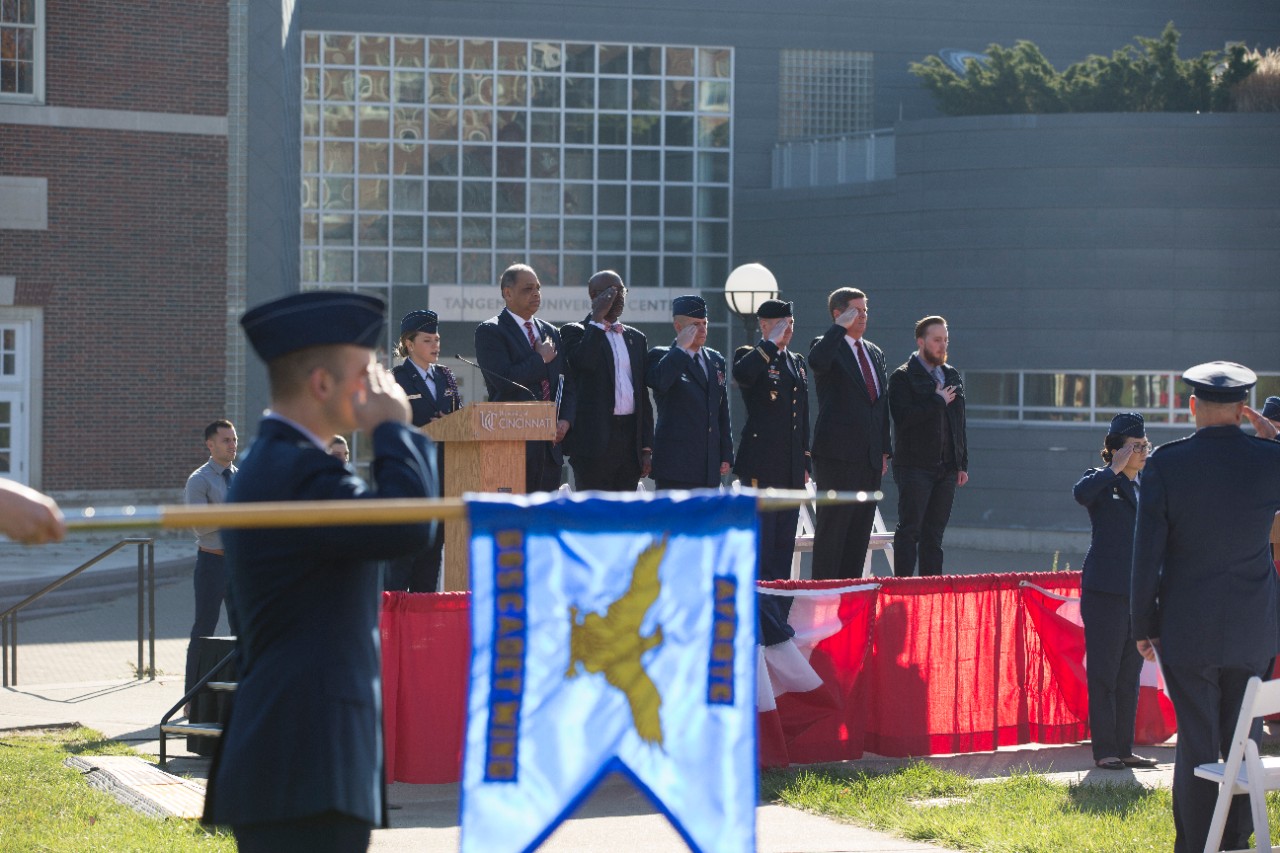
[(1207, 700), (617, 469), (419, 572), (682, 485), (842, 531), (1113, 666), (777, 544), (541, 473), (210, 582), (330, 832), (924, 508)]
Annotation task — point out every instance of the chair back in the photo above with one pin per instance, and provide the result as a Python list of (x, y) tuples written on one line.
[(1261, 699)]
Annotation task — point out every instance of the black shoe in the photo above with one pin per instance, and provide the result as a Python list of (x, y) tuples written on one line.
[(1110, 763), (1138, 761)]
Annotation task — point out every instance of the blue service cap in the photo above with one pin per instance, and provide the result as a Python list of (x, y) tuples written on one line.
[(689, 306), (773, 309), (313, 319), (1129, 424), (419, 321), (1271, 409), (1220, 381)]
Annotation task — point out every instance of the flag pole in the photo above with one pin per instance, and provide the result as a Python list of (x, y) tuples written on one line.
[(356, 512)]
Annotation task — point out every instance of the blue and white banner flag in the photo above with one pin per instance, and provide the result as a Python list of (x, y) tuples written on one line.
[(609, 634)]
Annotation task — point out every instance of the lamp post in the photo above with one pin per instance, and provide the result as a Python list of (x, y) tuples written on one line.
[(745, 289)]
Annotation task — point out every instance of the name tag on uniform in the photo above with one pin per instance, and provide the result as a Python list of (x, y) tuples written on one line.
[(414, 397)]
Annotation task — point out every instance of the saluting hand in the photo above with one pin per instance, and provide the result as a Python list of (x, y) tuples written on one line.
[(849, 316), (685, 337), (601, 304), (383, 400), (1120, 457), (1265, 428), (780, 334)]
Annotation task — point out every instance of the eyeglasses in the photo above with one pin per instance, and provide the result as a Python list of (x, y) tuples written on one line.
[(1144, 447)]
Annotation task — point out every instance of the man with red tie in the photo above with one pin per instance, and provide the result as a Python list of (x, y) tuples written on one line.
[(522, 360), (851, 445)]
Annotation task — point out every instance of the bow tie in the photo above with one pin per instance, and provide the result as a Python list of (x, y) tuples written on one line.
[(613, 327)]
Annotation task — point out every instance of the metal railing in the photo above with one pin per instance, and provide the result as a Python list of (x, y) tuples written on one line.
[(853, 158), (146, 614)]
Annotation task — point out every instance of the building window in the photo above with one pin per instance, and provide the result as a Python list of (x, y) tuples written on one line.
[(21, 50), (1086, 396), (441, 160), (824, 93)]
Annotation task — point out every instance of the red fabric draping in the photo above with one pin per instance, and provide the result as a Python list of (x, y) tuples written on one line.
[(426, 655), (812, 711), (955, 665)]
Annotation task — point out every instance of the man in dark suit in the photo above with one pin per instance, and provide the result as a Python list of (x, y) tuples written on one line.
[(433, 393), (523, 360), (692, 445), (774, 448), (931, 456), (851, 446), (1204, 589), (299, 766), (611, 444)]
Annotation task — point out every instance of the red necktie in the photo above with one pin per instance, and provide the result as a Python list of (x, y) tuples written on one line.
[(867, 375), (533, 342)]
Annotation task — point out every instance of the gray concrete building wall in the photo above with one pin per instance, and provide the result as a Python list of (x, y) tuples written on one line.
[(1092, 242)]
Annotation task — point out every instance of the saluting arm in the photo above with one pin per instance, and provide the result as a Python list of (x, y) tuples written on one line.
[(750, 363)]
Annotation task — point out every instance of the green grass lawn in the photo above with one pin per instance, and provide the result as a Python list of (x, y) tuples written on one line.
[(46, 806), (1025, 813)]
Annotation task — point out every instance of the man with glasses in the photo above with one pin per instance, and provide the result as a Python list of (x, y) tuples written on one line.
[(931, 459), (611, 444), (851, 446)]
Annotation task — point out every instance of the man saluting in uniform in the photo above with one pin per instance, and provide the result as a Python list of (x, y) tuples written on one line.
[(299, 766), (692, 445), (774, 449), (1204, 588)]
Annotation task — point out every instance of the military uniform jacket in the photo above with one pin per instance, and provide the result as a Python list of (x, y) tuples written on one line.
[(774, 448), (304, 735), (692, 437), (917, 413), (849, 426), (502, 348), (426, 408), (590, 358), (1203, 581), (1112, 501)]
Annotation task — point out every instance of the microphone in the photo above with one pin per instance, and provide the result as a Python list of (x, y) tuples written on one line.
[(487, 372)]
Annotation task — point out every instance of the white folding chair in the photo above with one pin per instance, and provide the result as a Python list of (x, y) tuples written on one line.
[(806, 524), (1244, 771), (882, 541)]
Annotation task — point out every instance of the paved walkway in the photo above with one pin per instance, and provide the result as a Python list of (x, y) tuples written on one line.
[(78, 667)]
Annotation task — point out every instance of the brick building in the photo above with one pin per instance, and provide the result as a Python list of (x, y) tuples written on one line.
[(113, 241)]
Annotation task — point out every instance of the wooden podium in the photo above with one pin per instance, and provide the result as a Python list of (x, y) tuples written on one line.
[(484, 452)]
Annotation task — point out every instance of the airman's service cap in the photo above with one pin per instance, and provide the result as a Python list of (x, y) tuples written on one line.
[(312, 319)]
